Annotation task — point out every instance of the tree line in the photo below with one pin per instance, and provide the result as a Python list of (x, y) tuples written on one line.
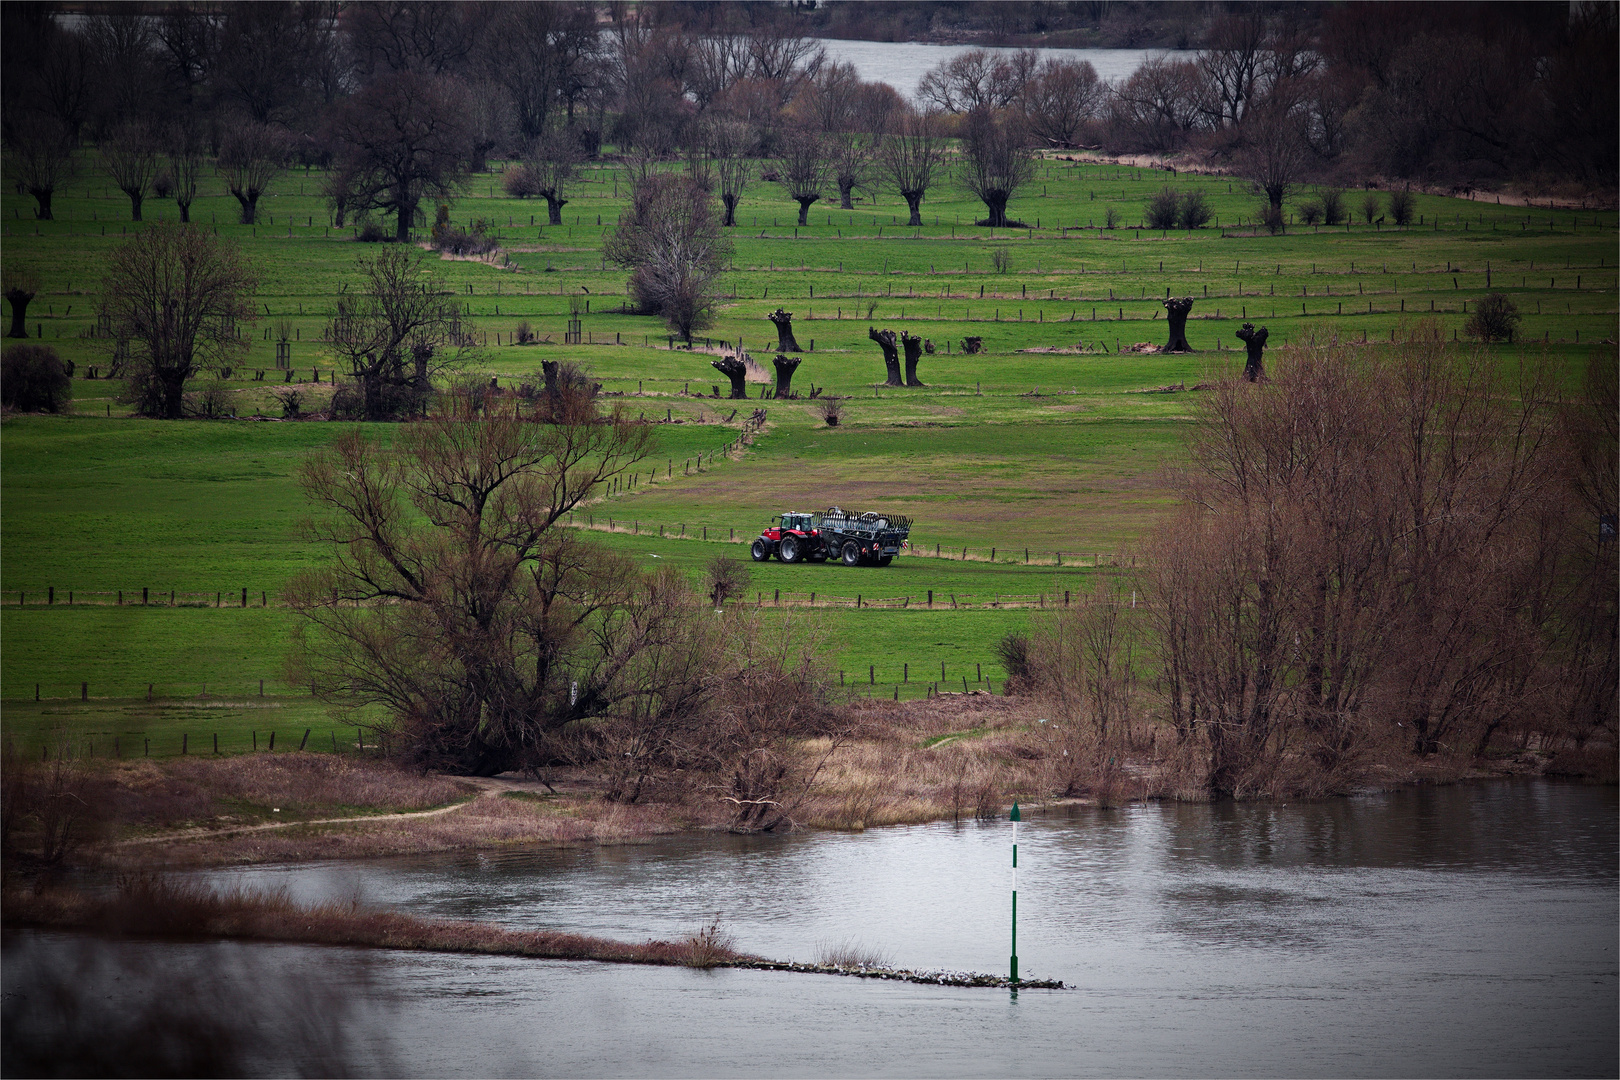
[(401, 101)]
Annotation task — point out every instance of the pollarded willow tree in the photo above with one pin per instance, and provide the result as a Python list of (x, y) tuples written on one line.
[(251, 156), (672, 246), (804, 169), (996, 162), (175, 298), (911, 156)]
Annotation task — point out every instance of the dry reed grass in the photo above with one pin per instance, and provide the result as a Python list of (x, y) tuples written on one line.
[(853, 955)]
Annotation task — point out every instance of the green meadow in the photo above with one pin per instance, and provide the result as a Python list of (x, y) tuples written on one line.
[(1030, 468)]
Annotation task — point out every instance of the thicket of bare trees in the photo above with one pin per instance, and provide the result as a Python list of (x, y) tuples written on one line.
[(1375, 557), (394, 332)]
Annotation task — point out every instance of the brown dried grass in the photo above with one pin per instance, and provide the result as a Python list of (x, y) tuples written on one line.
[(151, 905)]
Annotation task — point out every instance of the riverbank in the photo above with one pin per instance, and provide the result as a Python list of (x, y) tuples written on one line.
[(951, 757)]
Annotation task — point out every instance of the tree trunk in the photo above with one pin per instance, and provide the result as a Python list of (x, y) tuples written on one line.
[(1254, 368), (43, 197), (250, 207), (174, 397), (891, 355), (135, 200), (371, 382), (1176, 308), (804, 209), (185, 210), (402, 230), (913, 347), (733, 368), (785, 367), (785, 341), (554, 207), (846, 189), (914, 200), (19, 312), (730, 203), (996, 203)]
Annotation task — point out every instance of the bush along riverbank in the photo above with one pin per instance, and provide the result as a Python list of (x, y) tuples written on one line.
[(146, 905)]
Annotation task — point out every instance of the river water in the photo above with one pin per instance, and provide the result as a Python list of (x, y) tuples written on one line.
[(1457, 931), (902, 64)]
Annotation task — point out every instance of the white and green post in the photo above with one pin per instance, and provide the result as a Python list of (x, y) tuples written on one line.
[(1015, 819)]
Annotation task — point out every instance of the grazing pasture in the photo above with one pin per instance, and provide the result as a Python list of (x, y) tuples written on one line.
[(1031, 467)]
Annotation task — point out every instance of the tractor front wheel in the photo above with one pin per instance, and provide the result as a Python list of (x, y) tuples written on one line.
[(760, 551)]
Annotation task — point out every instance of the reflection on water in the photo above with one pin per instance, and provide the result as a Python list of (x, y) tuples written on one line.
[(1466, 930)]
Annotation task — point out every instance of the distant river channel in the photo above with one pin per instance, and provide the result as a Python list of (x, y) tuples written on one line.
[(1467, 930), (902, 64)]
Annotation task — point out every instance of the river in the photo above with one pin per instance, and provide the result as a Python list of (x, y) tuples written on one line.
[(1467, 930), (902, 64)]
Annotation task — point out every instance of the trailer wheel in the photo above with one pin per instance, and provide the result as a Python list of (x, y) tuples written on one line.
[(851, 553), (886, 560), (789, 549), (759, 551)]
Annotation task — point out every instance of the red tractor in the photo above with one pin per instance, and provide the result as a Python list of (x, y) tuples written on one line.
[(854, 539), (791, 538)]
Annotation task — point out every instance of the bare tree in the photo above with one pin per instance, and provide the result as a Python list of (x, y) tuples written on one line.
[(175, 298), (1058, 101), (39, 160), (130, 158), (804, 169), (400, 140), (1275, 153), (852, 157), (396, 332), (552, 163), (911, 156), (672, 246), (251, 156), (728, 146), (977, 79), (454, 603), (996, 162), (186, 162)]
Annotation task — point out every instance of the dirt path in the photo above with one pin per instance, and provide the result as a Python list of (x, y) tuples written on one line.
[(240, 830)]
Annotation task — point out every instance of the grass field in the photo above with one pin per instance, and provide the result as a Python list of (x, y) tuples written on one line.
[(1057, 452)]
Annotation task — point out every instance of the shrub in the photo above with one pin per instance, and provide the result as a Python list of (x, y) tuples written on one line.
[(1401, 205), (34, 379), (1001, 259), (1110, 218), (163, 185), (1161, 209), (520, 182), (1013, 652), (1311, 213), (1194, 212), (373, 233), (1370, 206), (830, 410), (211, 402), (1333, 208), (1495, 318)]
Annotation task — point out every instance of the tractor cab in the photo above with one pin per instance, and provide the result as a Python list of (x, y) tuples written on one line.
[(798, 523)]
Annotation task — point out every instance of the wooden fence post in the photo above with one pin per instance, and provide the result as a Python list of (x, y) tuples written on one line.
[(84, 691), (272, 742), (184, 744), (304, 741)]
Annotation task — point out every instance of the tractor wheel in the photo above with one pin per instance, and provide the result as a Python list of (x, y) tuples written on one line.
[(886, 560), (789, 549), (760, 551), (851, 553)]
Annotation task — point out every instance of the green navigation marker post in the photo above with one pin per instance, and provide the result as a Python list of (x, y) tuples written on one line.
[(1015, 819)]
